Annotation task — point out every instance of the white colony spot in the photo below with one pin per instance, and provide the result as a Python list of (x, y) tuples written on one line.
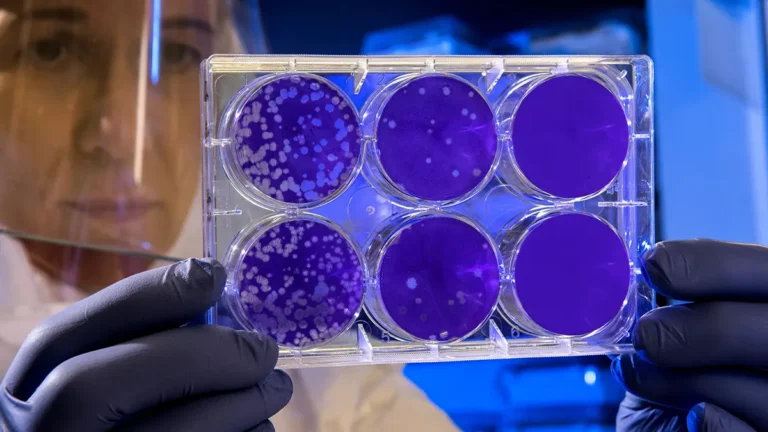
[(264, 127), (473, 116), (321, 290), (335, 100), (455, 173), (278, 118), (471, 94), (346, 116), (314, 86), (449, 141), (391, 124), (342, 131), (422, 91), (429, 131), (485, 246), (418, 300), (428, 160), (446, 90), (432, 121), (411, 283), (476, 172), (464, 111), (307, 185)]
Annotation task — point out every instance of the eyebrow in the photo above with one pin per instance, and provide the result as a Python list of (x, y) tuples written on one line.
[(68, 14), (184, 22), (73, 15)]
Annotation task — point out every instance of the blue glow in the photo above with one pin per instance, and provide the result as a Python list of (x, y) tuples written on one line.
[(157, 6), (590, 377)]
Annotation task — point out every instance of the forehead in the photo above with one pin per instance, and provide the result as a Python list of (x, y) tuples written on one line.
[(112, 12)]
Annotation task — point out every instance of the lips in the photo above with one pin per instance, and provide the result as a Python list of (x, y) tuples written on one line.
[(121, 209)]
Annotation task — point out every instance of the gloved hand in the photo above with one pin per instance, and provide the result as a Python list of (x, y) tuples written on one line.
[(119, 359), (704, 360)]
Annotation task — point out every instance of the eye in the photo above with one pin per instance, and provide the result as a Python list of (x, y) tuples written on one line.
[(48, 53), (179, 57)]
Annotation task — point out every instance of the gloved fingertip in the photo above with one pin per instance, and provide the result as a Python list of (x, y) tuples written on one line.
[(279, 388), (623, 370), (696, 417), (655, 266), (644, 337), (213, 269), (263, 349), (280, 381), (266, 426), (616, 370)]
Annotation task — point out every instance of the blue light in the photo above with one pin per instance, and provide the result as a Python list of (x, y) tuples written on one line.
[(157, 6), (590, 377)]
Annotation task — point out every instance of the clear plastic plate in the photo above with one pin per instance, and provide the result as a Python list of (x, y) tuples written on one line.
[(411, 209)]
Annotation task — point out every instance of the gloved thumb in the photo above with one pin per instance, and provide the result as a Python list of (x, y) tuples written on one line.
[(706, 417)]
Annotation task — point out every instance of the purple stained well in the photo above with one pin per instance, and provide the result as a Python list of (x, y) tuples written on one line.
[(439, 279), (572, 274), (301, 282), (298, 139), (436, 138), (570, 136)]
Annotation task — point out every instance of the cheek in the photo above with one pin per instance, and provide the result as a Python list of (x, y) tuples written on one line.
[(35, 133), (178, 153)]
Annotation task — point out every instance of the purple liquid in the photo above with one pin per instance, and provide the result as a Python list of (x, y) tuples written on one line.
[(439, 279), (436, 138), (298, 139), (570, 136), (572, 274), (301, 283)]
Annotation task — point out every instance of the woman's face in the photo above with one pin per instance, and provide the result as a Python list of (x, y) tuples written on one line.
[(100, 118)]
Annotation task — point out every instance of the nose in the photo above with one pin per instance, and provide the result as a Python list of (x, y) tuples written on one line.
[(109, 125)]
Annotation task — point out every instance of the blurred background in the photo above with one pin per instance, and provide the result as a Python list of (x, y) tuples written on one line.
[(711, 164)]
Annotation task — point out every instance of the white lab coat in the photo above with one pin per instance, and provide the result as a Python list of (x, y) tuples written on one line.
[(350, 399)]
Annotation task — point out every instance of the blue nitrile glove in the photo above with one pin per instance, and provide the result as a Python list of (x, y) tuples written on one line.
[(119, 359), (703, 363)]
